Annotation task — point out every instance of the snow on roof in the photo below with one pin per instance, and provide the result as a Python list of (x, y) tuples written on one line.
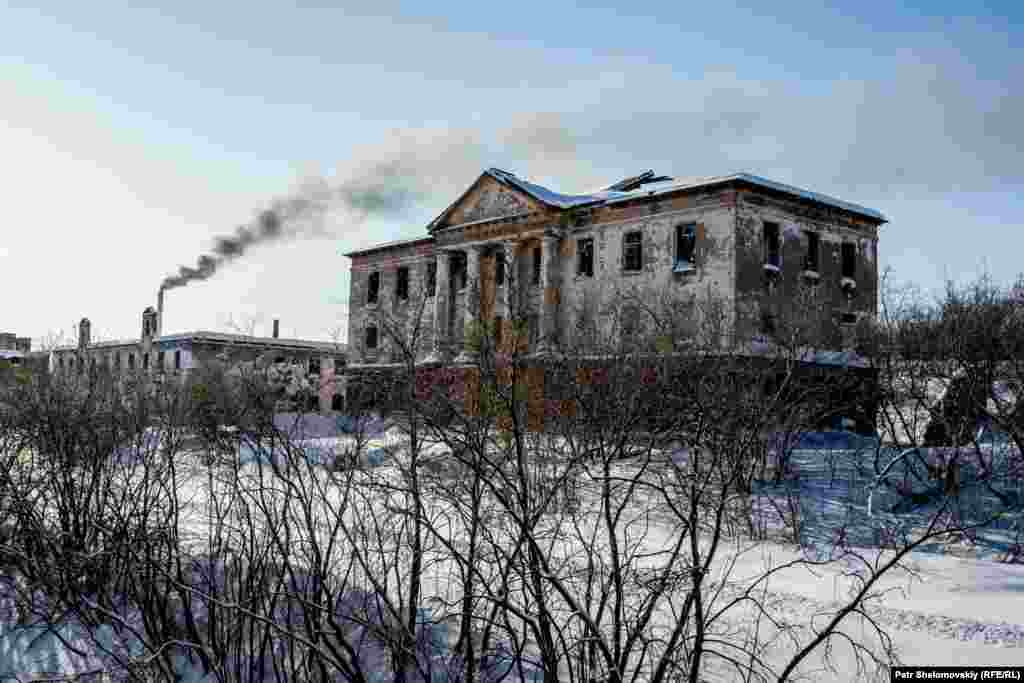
[(550, 197), (662, 188), (610, 195)]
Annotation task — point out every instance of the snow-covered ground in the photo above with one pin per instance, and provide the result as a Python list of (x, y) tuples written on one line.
[(959, 607)]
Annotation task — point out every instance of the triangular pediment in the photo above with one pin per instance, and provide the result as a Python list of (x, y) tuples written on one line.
[(485, 199)]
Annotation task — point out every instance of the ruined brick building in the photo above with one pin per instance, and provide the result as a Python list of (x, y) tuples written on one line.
[(165, 356), (754, 242)]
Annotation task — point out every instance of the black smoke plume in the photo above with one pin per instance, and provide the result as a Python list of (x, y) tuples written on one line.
[(383, 181)]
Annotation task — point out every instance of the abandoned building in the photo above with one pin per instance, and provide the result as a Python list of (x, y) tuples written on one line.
[(176, 355), (508, 247)]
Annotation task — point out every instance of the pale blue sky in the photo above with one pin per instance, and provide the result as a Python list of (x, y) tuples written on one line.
[(132, 137)]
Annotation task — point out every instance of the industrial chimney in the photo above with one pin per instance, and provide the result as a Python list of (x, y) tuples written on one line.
[(84, 329), (160, 312), (277, 327)]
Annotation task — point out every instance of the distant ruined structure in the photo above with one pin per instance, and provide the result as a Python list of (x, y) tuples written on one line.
[(175, 356)]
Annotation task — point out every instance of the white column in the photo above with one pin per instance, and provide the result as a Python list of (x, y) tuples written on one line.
[(471, 303), (546, 339), (442, 293)]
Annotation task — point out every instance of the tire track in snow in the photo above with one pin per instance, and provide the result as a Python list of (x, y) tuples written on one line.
[(798, 608)]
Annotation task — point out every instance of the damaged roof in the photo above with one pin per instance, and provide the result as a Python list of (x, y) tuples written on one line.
[(647, 184)]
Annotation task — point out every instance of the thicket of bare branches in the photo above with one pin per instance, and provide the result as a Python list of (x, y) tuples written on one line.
[(585, 515)]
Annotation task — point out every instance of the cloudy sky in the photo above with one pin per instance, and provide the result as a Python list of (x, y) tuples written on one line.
[(131, 139)]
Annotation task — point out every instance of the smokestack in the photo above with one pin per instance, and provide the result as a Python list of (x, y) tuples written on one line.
[(277, 327), (160, 312), (84, 328)]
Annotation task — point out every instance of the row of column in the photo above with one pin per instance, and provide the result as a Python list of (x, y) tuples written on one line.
[(471, 311)]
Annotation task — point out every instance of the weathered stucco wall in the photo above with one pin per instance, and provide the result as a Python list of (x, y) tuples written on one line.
[(582, 298), (792, 293), (416, 256)]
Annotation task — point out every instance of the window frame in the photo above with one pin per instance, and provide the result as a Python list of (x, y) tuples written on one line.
[(402, 283), (628, 245), (373, 288), (771, 240), (585, 246), (685, 232), (848, 248), (812, 259)]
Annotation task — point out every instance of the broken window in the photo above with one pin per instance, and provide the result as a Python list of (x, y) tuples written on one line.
[(432, 278), (371, 337), (849, 253), (536, 265), (373, 288), (686, 244), (813, 247), (402, 284), (585, 257), (499, 268), (177, 360), (632, 251), (771, 245)]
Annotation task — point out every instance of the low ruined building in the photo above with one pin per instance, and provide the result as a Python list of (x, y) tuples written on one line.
[(509, 249), (176, 356)]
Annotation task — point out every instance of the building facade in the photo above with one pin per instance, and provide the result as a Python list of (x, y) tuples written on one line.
[(511, 247), (175, 356)]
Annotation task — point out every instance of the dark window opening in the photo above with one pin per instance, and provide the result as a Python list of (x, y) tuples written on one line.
[(771, 244), (337, 402), (848, 318), (162, 356), (498, 323), (373, 288), (536, 265), (767, 323), (813, 247), (371, 337), (849, 252), (686, 244), (145, 361), (60, 362), (431, 279), (499, 268), (585, 257), (131, 361), (117, 360), (314, 366), (402, 284), (632, 251), (177, 360), (459, 271)]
